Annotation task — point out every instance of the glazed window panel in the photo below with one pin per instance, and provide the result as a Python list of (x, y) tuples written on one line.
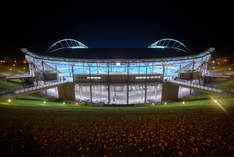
[(86, 70), (100, 94), (79, 64), (142, 64), (132, 64), (142, 70), (94, 70), (78, 70), (103, 70), (136, 94), (103, 64), (154, 93), (133, 70), (118, 69), (118, 94), (157, 70), (82, 93)]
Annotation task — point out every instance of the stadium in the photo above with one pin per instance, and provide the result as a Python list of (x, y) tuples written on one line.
[(123, 76)]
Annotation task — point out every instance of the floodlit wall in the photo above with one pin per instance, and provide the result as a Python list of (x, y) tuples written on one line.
[(124, 71), (117, 93), (184, 92), (66, 70), (82, 93), (154, 93), (52, 92), (100, 94), (137, 94)]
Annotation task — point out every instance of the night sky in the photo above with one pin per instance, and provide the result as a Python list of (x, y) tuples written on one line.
[(36, 25)]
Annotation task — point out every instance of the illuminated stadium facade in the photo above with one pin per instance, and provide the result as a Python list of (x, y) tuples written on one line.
[(117, 76)]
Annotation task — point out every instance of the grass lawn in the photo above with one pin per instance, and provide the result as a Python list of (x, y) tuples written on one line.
[(197, 128), (5, 85), (7, 69), (223, 83)]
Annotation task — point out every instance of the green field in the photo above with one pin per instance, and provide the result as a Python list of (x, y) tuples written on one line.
[(223, 83), (7, 69), (197, 128), (5, 85)]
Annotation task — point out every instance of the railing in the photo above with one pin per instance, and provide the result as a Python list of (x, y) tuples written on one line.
[(196, 86), (25, 75), (9, 91), (48, 84)]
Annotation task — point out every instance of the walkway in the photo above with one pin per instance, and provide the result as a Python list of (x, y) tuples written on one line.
[(29, 90), (196, 86), (19, 76)]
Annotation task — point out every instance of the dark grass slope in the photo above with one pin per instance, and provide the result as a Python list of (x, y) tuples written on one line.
[(198, 128)]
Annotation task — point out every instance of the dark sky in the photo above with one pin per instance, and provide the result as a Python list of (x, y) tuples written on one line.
[(36, 25)]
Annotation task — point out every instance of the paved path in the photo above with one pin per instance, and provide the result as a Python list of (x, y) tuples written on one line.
[(19, 76)]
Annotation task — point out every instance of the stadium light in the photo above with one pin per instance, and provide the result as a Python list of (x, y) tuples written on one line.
[(9, 100), (220, 106)]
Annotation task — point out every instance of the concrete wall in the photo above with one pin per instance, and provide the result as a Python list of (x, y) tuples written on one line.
[(197, 75), (169, 92), (50, 76), (190, 76), (67, 92), (46, 76)]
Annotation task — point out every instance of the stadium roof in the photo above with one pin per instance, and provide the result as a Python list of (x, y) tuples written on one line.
[(117, 53), (164, 48)]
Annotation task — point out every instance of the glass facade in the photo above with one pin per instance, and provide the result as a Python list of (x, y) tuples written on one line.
[(169, 69), (53, 69), (118, 93)]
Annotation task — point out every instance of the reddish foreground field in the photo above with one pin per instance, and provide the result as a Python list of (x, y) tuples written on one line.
[(198, 128)]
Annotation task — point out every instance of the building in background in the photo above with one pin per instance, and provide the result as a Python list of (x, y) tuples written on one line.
[(118, 75)]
